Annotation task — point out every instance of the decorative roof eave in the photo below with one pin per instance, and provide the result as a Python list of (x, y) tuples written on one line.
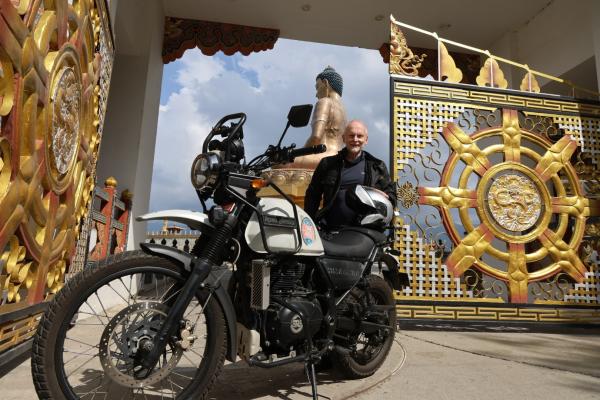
[(184, 34)]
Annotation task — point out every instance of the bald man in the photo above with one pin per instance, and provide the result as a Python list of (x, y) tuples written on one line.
[(335, 174)]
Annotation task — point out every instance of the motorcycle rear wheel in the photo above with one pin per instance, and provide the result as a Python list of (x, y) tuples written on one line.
[(363, 362), (81, 325)]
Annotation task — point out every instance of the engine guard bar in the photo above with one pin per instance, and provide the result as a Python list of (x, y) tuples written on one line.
[(261, 222)]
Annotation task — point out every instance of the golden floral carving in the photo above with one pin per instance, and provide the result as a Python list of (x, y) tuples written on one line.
[(448, 69), (491, 75), (55, 276), (289, 176), (15, 271), (62, 51), (402, 59), (407, 195), (529, 83), (6, 83)]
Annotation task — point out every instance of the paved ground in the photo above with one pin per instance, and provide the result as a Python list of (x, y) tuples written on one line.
[(425, 365), (475, 365)]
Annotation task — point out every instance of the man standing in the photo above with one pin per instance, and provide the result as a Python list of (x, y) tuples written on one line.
[(335, 174)]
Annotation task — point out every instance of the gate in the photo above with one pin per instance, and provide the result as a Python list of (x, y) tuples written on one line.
[(498, 190), (55, 67)]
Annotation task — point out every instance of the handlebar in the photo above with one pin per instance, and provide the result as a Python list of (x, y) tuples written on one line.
[(320, 148), (288, 154)]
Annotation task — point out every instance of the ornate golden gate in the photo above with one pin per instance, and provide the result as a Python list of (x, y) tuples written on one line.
[(498, 192), (56, 60)]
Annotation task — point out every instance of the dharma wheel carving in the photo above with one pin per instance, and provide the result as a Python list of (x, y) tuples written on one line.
[(56, 59), (528, 205)]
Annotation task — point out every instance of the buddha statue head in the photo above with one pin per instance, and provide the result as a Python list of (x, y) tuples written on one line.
[(329, 81)]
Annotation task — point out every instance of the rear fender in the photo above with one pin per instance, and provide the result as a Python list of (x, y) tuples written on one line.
[(184, 261), (390, 269)]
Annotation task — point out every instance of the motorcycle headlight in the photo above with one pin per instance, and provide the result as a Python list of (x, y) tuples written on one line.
[(205, 169)]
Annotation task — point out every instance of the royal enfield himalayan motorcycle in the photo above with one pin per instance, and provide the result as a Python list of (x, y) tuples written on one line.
[(260, 284)]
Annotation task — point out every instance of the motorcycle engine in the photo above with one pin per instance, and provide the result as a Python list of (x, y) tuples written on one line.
[(283, 326)]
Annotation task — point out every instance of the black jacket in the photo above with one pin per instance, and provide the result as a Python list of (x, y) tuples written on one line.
[(325, 182)]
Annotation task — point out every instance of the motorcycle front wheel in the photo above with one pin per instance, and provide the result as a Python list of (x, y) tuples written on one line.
[(90, 341)]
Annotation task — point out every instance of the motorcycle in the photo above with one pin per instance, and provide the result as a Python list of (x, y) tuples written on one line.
[(261, 283)]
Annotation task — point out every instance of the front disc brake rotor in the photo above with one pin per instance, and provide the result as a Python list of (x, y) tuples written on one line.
[(127, 336)]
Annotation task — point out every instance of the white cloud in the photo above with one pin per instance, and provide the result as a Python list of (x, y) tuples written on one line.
[(198, 69), (263, 85)]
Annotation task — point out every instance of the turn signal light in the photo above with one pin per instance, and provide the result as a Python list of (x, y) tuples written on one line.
[(259, 183)]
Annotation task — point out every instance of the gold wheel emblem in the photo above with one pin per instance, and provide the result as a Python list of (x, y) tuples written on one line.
[(63, 137), (529, 207), (65, 119), (514, 202)]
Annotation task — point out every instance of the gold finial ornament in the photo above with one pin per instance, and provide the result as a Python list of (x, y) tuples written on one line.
[(529, 83), (402, 59), (491, 75), (127, 195), (110, 182), (448, 67)]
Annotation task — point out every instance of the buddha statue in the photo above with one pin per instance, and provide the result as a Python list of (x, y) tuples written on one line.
[(328, 124), (328, 120)]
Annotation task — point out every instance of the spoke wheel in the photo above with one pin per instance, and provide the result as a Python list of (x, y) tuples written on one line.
[(367, 350), (91, 341)]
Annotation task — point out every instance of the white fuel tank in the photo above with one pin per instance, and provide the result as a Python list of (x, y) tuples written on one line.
[(281, 238)]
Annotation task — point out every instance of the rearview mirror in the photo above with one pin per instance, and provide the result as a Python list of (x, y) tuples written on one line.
[(300, 115)]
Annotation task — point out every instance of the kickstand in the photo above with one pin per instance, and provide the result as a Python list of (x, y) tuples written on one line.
[(309, 367)]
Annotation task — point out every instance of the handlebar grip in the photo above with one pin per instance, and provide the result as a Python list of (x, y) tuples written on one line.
[(320, 148)]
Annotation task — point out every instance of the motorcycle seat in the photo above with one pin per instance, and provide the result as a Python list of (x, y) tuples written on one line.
[(378, 237), (351, 242)]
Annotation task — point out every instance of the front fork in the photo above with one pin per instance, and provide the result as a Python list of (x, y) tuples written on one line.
[(200, 269)]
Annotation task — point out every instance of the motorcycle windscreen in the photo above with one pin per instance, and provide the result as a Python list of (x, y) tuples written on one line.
[(278, 216)]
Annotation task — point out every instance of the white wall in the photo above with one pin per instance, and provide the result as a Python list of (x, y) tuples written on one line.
[(127, 148), (558, 39)]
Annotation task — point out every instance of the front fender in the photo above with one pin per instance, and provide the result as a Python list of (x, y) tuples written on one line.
[(184, 260), (195, 220)]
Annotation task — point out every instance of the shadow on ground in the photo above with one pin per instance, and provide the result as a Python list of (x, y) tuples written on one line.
[(285, 383)]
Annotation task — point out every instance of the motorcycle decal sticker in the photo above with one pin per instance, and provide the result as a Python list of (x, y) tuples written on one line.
[(308, 231)]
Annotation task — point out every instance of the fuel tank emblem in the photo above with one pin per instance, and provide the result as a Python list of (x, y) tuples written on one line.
[(308, 231)]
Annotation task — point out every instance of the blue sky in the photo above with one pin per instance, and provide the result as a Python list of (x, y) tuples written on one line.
[(198, 90)]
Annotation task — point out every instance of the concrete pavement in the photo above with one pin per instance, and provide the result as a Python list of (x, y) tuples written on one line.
[(425, 365), (485, 365)]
